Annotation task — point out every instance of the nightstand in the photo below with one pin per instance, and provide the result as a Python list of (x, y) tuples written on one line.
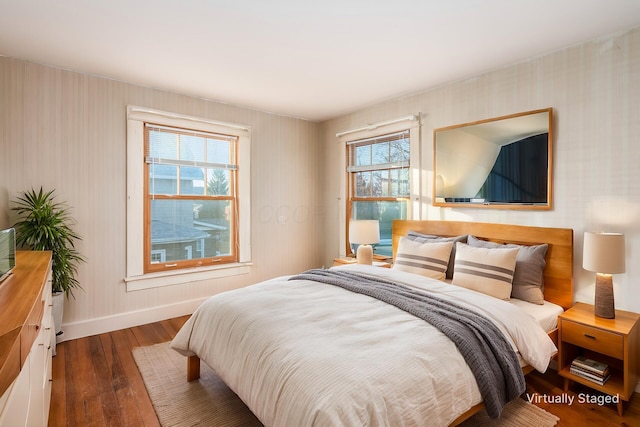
[(350, 260), (615, 342)]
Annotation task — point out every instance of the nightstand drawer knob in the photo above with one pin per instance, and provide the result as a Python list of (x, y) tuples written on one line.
[(590, 336)]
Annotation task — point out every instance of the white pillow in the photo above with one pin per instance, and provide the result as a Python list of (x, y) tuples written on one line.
[(426, 259), (485, 270)]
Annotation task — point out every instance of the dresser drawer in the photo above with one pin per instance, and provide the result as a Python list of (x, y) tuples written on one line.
[(595, 339)]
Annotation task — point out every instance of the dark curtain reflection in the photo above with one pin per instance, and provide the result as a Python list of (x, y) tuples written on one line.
[(519, 174)]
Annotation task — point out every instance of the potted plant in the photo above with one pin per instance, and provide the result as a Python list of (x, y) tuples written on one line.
[(45, 225)]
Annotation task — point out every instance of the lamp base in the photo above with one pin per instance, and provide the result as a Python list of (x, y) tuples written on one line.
[(604, 302), (364, 254)]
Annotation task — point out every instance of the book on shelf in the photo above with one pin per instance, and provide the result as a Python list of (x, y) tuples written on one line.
[(590, 372), (590, 365), (589, 376)]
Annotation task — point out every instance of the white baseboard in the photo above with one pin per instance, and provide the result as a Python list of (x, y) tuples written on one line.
[(115, 322)]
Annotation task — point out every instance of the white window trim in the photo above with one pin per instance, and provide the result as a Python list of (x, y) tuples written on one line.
[(413, 124), (136, 279)]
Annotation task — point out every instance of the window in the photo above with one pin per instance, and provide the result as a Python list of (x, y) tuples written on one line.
[(378, 181), (190, 198)]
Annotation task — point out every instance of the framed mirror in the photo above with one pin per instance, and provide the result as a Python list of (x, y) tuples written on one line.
[(503, 163)]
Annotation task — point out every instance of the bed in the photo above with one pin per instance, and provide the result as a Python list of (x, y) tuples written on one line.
[(307, 353)]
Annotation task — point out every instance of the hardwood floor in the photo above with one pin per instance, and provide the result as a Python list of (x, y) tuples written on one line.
[(96, 383)]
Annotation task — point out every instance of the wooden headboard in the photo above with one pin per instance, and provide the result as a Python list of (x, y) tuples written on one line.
[(558, 273)]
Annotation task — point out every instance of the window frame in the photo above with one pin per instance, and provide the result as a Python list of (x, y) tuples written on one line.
[(136, 277), (149, 266), (412, 125)]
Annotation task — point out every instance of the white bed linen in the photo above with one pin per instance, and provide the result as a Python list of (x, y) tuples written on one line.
[(302, 353), (546, 314)]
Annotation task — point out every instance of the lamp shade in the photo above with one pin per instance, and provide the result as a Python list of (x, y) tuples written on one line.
[(603, 253), (364, 232)]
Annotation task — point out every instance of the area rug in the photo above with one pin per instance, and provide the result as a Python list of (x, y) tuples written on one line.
[(209, 402)]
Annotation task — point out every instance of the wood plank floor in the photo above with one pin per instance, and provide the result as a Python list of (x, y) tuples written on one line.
[(96, 383)]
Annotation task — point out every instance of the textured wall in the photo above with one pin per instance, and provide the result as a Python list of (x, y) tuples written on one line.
[(67, 131), (594, 89)]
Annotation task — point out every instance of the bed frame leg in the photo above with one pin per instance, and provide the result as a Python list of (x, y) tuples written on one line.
[(193, 368)]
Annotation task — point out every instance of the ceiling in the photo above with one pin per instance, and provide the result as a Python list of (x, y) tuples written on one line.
[(312, 59)]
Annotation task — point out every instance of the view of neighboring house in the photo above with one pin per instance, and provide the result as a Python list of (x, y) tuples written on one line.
[(182, 229)]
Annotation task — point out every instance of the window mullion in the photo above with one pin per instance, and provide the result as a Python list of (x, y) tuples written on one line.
[(195, 163), (389, 172), (378, 199), (178, 168), (394, 165), (206, 169)]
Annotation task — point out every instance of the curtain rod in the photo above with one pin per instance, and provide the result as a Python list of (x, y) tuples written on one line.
[(377, 125)]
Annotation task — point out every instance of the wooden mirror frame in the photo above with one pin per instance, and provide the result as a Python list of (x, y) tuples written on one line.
[(439, 201)]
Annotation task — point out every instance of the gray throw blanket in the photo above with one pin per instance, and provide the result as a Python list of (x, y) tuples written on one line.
[(485, 349)]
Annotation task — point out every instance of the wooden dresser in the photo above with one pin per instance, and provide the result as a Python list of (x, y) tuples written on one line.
[(26, 338)]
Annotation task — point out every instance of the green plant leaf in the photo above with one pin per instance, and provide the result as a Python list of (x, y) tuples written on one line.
[(44, 224)]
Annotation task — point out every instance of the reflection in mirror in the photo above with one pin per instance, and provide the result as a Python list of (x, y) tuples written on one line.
[(503, 162)]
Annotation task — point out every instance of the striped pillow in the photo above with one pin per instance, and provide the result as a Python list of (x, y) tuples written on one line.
[(528, 278), (485, 270), (431, 238), (426, 259)]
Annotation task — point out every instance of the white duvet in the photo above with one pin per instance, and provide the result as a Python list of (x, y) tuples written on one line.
[(301, 353)]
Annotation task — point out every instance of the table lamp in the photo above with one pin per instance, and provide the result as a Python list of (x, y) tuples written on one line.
[(364, 233), (603, 253)]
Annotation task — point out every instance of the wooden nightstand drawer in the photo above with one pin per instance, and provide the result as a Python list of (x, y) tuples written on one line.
[(595, 339)]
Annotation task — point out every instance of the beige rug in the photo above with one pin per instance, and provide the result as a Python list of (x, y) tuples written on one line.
[(209, 402)]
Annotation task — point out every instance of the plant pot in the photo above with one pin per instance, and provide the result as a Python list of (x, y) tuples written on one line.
[(58, 311)]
